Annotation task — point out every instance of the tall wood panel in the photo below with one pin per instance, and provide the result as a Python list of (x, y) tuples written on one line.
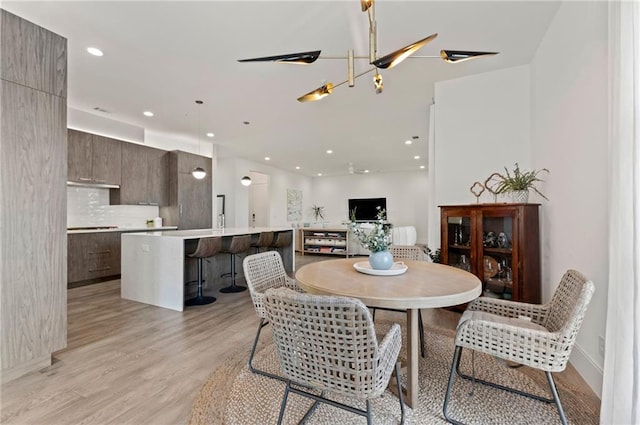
[(33, 196)]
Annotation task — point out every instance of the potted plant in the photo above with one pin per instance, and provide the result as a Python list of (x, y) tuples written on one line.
[(318, 213), (376, 239), (520, 183)]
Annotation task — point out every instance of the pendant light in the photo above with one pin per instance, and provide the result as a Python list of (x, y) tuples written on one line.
[(199, 173)]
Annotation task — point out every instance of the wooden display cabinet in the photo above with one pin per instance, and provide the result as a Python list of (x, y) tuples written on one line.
[(499, 243)]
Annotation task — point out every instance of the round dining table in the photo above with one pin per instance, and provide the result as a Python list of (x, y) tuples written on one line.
[(422, 285)]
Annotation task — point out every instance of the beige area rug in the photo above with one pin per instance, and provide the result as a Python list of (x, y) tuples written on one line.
[(233, 395)]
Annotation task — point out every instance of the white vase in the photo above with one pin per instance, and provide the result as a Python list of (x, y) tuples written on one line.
[(520, 196)]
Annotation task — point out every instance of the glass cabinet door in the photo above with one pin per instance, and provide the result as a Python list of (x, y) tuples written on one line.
[(459, 236), (497, 256)]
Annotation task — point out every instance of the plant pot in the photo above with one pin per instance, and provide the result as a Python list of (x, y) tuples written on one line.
[(381, 260), (520, 196)]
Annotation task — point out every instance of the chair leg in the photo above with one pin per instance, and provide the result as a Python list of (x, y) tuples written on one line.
[(284, 402), (261, 325), (400, 393), (554, 391), (454, 367), (199, 299), (369, 418), (233, 287)]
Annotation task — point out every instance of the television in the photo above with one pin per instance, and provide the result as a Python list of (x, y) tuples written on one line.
[(366, 209)]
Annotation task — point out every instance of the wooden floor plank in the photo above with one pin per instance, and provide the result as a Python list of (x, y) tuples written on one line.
[(128, 362)]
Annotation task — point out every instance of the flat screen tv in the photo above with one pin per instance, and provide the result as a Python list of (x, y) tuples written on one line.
[(366, 208)]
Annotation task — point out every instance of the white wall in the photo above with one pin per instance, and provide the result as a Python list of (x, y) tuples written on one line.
[(406, 194), (227, 177), (569, 136), (481, 126)]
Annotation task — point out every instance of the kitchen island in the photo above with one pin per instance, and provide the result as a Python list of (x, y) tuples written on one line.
[(155, 267)]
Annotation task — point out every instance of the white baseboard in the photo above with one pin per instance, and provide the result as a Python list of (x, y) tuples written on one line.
[(590, 371)]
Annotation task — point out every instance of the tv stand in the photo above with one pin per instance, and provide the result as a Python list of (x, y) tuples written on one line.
[(328, 241)]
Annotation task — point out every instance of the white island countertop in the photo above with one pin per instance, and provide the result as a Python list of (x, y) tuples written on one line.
[(209, 233), (153, 263)]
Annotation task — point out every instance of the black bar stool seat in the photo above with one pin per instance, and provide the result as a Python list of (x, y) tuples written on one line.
[(282, 240), (239, 244), (264, 241), (207, 247)]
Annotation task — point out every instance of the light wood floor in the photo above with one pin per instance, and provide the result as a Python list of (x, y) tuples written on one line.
[(128, 362)]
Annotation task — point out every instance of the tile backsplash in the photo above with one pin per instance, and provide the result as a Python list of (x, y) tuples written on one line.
[(89, 206)]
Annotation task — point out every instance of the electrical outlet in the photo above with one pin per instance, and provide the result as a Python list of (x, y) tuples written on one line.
[(601, 345)]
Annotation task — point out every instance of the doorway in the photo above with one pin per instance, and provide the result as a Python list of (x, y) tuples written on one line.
[(259, 211)]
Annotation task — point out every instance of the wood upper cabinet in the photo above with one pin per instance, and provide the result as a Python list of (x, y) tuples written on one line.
[(499, 243), (144, 176), (107, 160), (190, 199), (93, 158), (79, 156)]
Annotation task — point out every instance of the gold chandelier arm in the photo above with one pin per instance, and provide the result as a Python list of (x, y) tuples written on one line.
[(354, 77)]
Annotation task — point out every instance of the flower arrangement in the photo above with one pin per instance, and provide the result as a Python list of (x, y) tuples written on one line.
[(376, 238)]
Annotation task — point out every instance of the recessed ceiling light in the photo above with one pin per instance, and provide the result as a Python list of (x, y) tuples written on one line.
[(416, 157), (422, 167), (95, 51), (147, 113), (329, 151), (210, 134), (319, 174), (297, 167), (407, 142), (366, 171), (266, 158)]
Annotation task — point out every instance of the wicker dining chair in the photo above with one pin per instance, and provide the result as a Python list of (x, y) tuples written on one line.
[(264, 271), (539, 336), (329, 344), (407, 252)]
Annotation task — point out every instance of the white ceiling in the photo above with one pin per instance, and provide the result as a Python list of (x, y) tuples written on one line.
[(162, 56)]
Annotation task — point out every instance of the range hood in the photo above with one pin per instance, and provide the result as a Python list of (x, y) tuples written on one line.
[(94, 184)]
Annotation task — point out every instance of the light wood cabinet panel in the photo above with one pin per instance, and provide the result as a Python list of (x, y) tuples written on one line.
[(33, 172), (33, 56)]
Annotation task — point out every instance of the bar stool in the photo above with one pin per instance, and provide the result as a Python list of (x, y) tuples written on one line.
[(264, 241), (282, 240), (207, 247), (238, 244)]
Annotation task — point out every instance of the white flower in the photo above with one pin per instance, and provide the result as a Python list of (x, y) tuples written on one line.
[(378, 237)]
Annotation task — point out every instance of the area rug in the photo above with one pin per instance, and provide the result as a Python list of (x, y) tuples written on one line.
[(234, 395)]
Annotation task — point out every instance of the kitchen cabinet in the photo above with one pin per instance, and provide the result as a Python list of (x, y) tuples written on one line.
[(499, 243), (93, 159), (92, 255), (144, 176), (190, 199)]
